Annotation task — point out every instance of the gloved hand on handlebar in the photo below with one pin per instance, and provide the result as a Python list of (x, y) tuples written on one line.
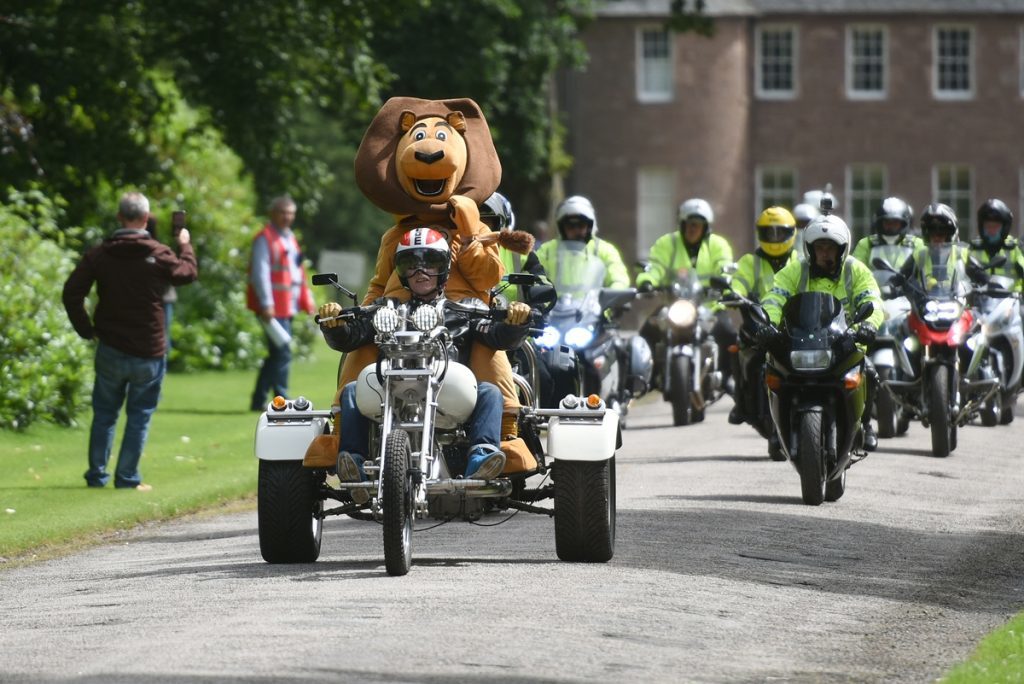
[(645, 287), (330, 310), (865, 333), (767, 335), (518, 313)]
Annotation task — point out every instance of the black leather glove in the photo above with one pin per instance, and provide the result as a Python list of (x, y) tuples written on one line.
[(866, 333), (766, 335), (645, 287)]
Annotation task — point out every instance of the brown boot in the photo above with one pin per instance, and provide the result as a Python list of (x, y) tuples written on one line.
[(509, 425)]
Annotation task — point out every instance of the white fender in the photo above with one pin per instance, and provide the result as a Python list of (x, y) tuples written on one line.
[(285, 435), (455, 401), (580, 439)]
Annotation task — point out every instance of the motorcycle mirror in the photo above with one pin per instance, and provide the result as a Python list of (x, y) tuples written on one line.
[(882, 264), (325, 278), (719, 282), (522, 279), (995, 262), (541, 297), (729, 269), (864, 311)]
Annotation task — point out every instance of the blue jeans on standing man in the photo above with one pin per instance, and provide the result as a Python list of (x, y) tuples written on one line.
[(122, 379), (273, 375)]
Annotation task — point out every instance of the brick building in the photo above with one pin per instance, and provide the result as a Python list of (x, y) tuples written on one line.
[(923, 99)]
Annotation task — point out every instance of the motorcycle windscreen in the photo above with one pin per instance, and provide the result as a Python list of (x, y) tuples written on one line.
[(943, 276), (577, 271), (806, 314)]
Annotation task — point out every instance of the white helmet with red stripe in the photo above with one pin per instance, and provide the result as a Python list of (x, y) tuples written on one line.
[(423, 249)]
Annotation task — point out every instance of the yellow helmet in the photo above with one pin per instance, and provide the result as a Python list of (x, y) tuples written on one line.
[(776, 231)]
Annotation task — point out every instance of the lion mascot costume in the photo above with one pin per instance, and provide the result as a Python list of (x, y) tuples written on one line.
[(430, 163)]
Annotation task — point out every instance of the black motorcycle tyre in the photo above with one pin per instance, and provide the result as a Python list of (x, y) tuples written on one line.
[(585, 510), (681, 387), (397, 504), (938, 411), (810, 463), (289, 512), (886, 409)]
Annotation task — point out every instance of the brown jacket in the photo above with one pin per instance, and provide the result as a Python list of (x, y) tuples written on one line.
[(132, 272)]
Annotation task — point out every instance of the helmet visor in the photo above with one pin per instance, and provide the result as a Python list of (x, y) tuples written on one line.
[(431, 262), (775, 233)]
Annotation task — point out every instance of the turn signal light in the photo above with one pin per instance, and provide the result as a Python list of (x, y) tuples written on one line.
[(773, 381), (734, 348), (851, 380), (593, 401), (279, 404)]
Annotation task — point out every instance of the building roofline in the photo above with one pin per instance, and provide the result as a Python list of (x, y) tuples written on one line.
[(740, 8)]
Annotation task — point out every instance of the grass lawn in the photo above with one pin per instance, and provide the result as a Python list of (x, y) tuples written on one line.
[(198, 455)]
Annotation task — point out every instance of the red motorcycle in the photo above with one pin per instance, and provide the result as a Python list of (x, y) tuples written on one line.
[(939, 321)]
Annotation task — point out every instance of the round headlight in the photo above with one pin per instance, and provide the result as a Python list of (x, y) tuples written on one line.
[(578, 338), (426, 318), (682, 313), (549, 338), (386, 320)]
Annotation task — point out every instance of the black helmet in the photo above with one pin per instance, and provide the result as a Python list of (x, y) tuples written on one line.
[(892, 208), (938, 218), (496, 212), (994, 210)]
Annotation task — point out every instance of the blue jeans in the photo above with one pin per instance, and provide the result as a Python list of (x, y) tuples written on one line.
[(484, 422), (273, 375), (120, 375)]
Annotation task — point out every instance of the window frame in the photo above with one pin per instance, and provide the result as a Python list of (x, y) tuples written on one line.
[(760, 172), (955, 95), (759, 87), (954, 197), (649, 211), (851, 92), (653, 96), (860, 226)]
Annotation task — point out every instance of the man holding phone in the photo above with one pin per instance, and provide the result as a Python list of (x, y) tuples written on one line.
[(276, 291), (132, 271)]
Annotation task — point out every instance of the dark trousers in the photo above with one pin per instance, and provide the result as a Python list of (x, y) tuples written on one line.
[(273, 376)]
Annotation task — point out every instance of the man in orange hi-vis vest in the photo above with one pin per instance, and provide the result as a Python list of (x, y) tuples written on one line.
[(276, 291)]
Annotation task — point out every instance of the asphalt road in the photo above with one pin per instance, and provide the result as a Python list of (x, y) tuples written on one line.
[(720, 575)]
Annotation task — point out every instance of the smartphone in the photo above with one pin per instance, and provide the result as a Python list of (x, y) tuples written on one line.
[(178, 221)]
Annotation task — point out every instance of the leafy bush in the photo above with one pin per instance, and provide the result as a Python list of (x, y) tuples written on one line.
[(45, 368)]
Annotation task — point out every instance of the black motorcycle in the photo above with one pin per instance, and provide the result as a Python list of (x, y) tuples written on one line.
[(817, 389)]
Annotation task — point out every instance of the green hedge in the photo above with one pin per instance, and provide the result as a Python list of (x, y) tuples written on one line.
[(45, 368)]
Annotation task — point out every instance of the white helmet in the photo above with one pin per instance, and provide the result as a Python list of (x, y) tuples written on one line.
[(697, 207), (804, 213), (576, 205), (829, 227)]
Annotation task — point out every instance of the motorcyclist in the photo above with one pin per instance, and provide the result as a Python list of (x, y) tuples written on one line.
[(940, 256), (891, 238), (422, 262), (804, 213), (577, 230), (693, 246), (775, 231), (995, 221), (496, 212), (828, 268)]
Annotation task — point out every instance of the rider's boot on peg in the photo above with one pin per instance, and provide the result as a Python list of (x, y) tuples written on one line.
[(350, 469), (870, 438)]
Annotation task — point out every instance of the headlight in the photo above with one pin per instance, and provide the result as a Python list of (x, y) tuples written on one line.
[(426, 318), (941, 311), (578, 338), (811, 359), (386, 320), (549, 338), (682, 313)]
